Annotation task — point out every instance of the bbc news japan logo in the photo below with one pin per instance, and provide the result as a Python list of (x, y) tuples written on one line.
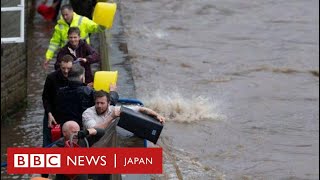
[(84, 160), (37, 160)]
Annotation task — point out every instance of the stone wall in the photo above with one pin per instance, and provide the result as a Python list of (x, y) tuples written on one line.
[(13, 67), (13, 76)]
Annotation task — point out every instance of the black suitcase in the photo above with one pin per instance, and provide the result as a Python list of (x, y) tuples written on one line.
[(141, 125)]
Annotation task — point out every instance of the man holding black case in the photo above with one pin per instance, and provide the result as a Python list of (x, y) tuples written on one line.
[(101, 115)]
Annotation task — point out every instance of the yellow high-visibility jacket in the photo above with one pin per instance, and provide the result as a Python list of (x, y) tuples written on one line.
[(60, 34)]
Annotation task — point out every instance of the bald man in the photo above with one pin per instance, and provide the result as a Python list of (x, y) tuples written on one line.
[(70, 128)]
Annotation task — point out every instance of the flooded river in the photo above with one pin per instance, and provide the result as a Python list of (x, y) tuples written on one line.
[(237, 80)]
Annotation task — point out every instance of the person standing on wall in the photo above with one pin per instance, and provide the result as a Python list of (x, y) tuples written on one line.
[(60, 35)]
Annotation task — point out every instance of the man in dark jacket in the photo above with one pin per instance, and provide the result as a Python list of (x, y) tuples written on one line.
[(54, 81), (74, 99)]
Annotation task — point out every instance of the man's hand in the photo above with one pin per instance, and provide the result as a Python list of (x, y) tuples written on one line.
[(110, 119), (113, 87), (92, 131), (82, 134), (102, 27), (161, 118), (116, 112), (45, 64), (84, 60), (51, 120), (90, 84), (151, 112)]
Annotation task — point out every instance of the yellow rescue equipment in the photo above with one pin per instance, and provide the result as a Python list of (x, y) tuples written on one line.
[(103, 79), (103, 14)]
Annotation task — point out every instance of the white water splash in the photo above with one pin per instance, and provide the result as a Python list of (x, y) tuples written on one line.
[(183, 109)]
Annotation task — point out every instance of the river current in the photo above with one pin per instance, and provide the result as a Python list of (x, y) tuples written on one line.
[(237, 80)]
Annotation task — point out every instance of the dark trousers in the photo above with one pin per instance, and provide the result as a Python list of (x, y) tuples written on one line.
[(46, 132), (46, 140)]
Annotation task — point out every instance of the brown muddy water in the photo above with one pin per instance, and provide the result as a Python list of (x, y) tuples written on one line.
[(237, 80)]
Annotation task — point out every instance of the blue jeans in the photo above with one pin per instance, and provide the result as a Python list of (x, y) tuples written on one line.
[(46, 131)]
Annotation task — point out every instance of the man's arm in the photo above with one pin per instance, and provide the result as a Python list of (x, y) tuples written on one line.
[(54, 45), (47, 99), (105, 123), (91, 26), (114, 96), (92, 134), (151, 112), (88, 120), (92, 55)]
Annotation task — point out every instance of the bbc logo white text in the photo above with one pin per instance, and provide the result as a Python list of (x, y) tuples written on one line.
[(37, 160)]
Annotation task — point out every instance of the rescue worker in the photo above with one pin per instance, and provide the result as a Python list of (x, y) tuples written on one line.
[(60, 35)]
